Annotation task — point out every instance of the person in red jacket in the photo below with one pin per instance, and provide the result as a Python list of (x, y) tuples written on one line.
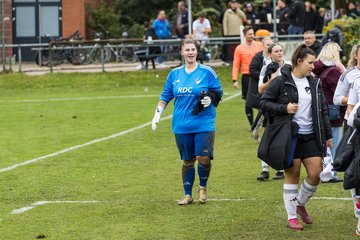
[(243, 55)]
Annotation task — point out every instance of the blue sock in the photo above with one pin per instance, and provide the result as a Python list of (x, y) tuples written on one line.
[(188, 176), (204, 173)]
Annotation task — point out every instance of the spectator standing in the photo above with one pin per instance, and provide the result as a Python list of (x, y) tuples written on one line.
[(233, 19), (224, 56), (320, 20), (328, 68), (265, 10), (311, 42), (310, 17), (352, 11), (282, 11), (251, 14), (163, 31), (243, 55), (296, 17), (181, 23)]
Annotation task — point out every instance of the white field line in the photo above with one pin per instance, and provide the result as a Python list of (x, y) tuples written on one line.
[(75, 99), (332, 198), (92, 142), (254, 199), (80, 98), (41, 203)]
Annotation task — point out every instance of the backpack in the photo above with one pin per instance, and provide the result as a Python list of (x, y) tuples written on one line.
[(332, 36)]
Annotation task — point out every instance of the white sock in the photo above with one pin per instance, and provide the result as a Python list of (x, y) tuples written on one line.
[(353, 195), (290, 199), (265, 167), (357, 210), (306, 192)]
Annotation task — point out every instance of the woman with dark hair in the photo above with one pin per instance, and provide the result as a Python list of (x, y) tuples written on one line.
[(298, 95)]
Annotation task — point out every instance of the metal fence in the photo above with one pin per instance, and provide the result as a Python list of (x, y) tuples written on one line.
[(49, 55)]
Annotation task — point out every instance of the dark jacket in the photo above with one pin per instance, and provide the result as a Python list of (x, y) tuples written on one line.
[(296, 14), (185, 21), (310, 21), (283, 90), (283, 21), (253, 95), (316, 47), (329, 76)]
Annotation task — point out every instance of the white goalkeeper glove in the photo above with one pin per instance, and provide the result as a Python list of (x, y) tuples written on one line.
[(159, 110), (206, 101)]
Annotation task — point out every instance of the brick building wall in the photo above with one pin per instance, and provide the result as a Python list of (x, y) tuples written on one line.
[(74, 16), (8, 27)]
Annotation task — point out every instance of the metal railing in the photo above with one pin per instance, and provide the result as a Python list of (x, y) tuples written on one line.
[(116, 45)]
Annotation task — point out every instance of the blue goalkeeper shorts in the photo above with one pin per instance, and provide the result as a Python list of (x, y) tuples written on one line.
[(191, 145)]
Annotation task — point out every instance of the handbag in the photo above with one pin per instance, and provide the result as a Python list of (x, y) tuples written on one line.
[(352, 174), (345, 151), (277, 145), (334, 112)]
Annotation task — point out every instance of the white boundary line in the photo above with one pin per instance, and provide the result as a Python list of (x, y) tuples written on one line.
[(80, 98), (75, 99), (91, 142), (41, 203)]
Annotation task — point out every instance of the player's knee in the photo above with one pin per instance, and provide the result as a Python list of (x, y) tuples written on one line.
[(204, 160), (189, 163)]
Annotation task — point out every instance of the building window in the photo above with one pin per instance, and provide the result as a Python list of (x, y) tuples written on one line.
[(25, 21)]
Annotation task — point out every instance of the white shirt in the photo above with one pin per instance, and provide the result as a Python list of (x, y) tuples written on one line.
[(354, 94), (303, 117), (199, 29), (263, 70), (344, 84)]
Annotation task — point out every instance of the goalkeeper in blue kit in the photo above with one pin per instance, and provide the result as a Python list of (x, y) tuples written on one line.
[(197, 92)]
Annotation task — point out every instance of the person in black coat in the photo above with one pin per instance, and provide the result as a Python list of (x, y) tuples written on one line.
[(296, 17), (296, 94), (311, 42), (258, 61)]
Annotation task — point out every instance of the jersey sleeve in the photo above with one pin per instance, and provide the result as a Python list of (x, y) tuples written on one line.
[(214, 82), (167, 94), (353, 95), (341, 90), (236, 63), (262, 75)]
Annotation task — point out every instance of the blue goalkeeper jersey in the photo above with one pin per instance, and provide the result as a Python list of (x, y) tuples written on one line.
[(185, 88)]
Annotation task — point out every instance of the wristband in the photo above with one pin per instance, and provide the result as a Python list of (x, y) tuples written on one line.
[(235, 81)]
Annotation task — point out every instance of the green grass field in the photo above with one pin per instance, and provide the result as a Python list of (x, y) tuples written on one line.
[(133, 181)]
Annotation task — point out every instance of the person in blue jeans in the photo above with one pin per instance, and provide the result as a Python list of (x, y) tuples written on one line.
[(296, 18), (193, 120), (162, 30)]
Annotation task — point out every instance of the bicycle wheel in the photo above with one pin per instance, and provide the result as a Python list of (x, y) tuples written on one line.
[(127, 54), (45, 58), (80, 57), (214, 51), (96, 57)]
